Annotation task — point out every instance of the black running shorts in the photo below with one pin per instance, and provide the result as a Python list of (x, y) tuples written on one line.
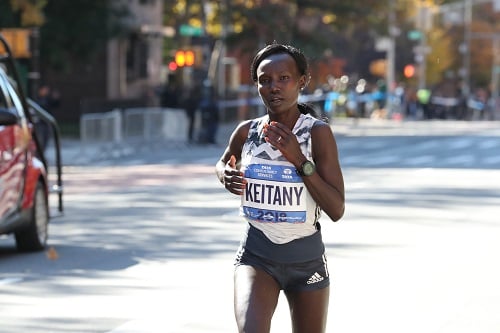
[(304, 276)]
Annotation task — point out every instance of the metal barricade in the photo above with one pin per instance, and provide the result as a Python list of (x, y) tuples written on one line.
[(119, 131), (101, 133), (101, 127), (175, 126)]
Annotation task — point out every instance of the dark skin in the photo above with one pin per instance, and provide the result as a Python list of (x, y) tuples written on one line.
[(256, 292)]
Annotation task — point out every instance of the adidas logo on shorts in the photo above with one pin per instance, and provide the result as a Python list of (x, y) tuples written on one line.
[(315, 278)]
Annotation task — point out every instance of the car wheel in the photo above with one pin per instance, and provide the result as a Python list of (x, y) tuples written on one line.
[(34, 236)]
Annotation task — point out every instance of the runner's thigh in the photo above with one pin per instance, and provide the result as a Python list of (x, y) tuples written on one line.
[(255, 298), (309, 310)]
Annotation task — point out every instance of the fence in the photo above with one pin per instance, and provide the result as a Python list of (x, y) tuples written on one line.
[(118, 132)]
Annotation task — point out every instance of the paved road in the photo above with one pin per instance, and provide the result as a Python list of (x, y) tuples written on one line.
[(146, 244)]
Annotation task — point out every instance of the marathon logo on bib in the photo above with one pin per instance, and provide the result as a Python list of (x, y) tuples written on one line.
[(274, 193), (279, 173)]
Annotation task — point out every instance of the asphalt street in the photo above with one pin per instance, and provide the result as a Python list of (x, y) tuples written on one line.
[(148, 238)]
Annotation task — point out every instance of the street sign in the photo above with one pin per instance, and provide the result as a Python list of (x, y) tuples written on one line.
[(414, 35), (189, 30), (382, 44)]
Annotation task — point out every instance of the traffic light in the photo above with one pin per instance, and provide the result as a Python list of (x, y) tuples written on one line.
[(19, 42), (184, 58), (172, 66), (189, 57), (409, 71), (180, 58)]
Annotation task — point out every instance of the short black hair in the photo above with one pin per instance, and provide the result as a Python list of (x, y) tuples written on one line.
[(276, 48)]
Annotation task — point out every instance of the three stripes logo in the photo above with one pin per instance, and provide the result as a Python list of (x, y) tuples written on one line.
[(315, 278)]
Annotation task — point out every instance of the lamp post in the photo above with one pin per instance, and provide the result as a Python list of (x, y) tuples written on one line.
[(423, 24), (391, 52), (466, 48)]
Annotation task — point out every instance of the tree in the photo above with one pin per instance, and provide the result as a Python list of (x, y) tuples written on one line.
[(314, 26), (442, 57), (439, 56), (87, 26), (70, 30), (321, 28), (343, 29), (484, 27), (22, 13)]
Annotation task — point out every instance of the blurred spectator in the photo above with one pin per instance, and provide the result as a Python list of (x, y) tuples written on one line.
[(482, 97), (170, 96), (209, 116), (423, 99), (190, 103), (412, 102), (361, 98), (49, 100)]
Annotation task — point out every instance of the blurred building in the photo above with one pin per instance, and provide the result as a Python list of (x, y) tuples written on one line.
[(134, 63)]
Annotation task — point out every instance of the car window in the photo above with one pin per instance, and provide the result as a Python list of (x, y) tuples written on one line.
[(3, 101), (4, 95), (14, 97), (9, 96)]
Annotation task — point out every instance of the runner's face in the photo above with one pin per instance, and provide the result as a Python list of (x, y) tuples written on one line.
[(279, 82)]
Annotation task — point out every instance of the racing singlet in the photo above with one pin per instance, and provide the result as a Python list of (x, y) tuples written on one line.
[(276, 200)]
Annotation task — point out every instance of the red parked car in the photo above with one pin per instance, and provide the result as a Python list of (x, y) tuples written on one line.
[(24, 179)]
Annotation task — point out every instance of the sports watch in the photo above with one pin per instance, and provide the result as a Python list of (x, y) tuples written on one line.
[(306, 169)]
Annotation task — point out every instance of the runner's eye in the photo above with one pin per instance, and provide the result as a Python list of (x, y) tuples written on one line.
[(264, 81)]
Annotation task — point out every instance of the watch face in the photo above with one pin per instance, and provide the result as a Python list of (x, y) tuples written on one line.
[(308, 168)]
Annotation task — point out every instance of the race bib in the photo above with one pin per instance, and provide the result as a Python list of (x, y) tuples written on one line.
[(274, 193)]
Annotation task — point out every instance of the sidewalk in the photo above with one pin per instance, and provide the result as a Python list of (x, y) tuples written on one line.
[(75, 152)]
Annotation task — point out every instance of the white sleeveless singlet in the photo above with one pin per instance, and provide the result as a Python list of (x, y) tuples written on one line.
[(276, 200)]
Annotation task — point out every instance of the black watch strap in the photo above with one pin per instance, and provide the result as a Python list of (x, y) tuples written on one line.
[(306, 169)]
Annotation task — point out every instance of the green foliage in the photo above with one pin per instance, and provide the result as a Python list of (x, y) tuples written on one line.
[(441, 58), (315, 26), (21, 13), (7, 18), (254, 23), (278, 18), (347, 12), (78, 30)]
